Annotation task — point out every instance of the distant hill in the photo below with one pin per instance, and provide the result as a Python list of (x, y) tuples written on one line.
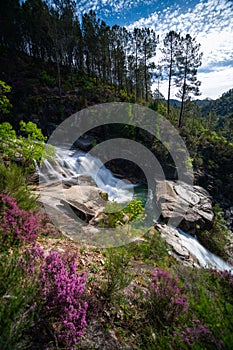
[(175, 102), (223, 106), (205, 102), (201, 103)]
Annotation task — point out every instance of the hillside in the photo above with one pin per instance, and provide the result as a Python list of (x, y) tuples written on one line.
[(35, 95), (223, 106), (102, 246)]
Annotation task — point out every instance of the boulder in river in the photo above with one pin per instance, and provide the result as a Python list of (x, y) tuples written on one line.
[(85, 143), (189, 251), (189, 206), (86, 201)]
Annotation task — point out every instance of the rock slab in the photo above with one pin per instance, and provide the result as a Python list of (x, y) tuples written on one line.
[(183, 205)]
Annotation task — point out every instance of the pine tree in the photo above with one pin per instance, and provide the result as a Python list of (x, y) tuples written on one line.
[(136, 38), (170, 51), (188, 60), (90, 29), (148, 50), (10, 22), (118, 44), (35, 14)]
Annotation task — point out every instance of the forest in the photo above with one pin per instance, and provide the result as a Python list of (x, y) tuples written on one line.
[(55, 292)]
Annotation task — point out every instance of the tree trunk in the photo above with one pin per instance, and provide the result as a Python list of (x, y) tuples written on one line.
[(182, 102), (169, 83)]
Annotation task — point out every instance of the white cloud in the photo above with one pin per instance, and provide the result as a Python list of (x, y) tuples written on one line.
[(214, 84), (211, 23)]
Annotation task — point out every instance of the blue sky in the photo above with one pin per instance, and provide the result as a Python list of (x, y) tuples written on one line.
[(209, 21)]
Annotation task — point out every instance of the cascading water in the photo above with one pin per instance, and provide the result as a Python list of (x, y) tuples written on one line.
[(69, 164), (203, 255)]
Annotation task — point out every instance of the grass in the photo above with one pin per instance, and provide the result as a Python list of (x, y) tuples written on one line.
[(135, 291)]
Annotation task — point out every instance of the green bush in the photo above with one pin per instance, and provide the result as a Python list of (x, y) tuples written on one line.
[(119, 215), (24, 149), (13, 183), (209, 303), (117, 274), (216, 239), (46, 79), (17, 302), (152, 249), (5, 104)]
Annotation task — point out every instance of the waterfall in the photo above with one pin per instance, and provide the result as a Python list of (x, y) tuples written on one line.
[(203, 255), (70, 164)]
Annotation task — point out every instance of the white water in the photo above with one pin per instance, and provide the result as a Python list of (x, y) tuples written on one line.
[(68, 165), (71, 164), (203, 255)]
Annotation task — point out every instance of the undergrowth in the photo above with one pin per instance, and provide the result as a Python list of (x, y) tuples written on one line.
[(138, 291)]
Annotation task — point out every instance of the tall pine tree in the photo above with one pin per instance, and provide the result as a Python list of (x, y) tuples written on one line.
[(188, 60), (171, 50)]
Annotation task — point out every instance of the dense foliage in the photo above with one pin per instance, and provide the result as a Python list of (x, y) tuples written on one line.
[(51, 298), (47, 300), (219, 114), (83, 51)]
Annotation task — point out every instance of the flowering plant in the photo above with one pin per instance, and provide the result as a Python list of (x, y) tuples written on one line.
[(62, 290), (17, 226), (167, 299)]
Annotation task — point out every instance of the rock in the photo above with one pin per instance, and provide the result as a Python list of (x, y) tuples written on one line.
[(71, 210), (189, 251), (82, 180), (96, 337), (86, 201), (228, 216), (86, 180), (172, 238), (85, 143), (188, 205), (100, 217), (33, 178), (67, 183)]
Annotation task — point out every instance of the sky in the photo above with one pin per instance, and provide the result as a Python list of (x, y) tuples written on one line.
[(209, 21)]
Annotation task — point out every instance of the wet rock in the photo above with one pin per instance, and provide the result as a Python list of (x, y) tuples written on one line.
[(33, 178), (228, 216), (86, 180), (86, 201), (188, 205), (85, 143), (180, 252), (189, 251)]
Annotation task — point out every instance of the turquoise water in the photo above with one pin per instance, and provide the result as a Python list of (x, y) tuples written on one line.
[(141, 192)]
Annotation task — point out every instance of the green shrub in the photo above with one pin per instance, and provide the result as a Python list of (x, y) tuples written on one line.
[(116, 271), (216, 238), (13, 183), (210, 301), (46, 79), (119, 215), (17, 302), (152, 249), (25, 149), (5, 104)]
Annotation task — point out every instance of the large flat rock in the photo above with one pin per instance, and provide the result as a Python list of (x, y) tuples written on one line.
[(188, 205)]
